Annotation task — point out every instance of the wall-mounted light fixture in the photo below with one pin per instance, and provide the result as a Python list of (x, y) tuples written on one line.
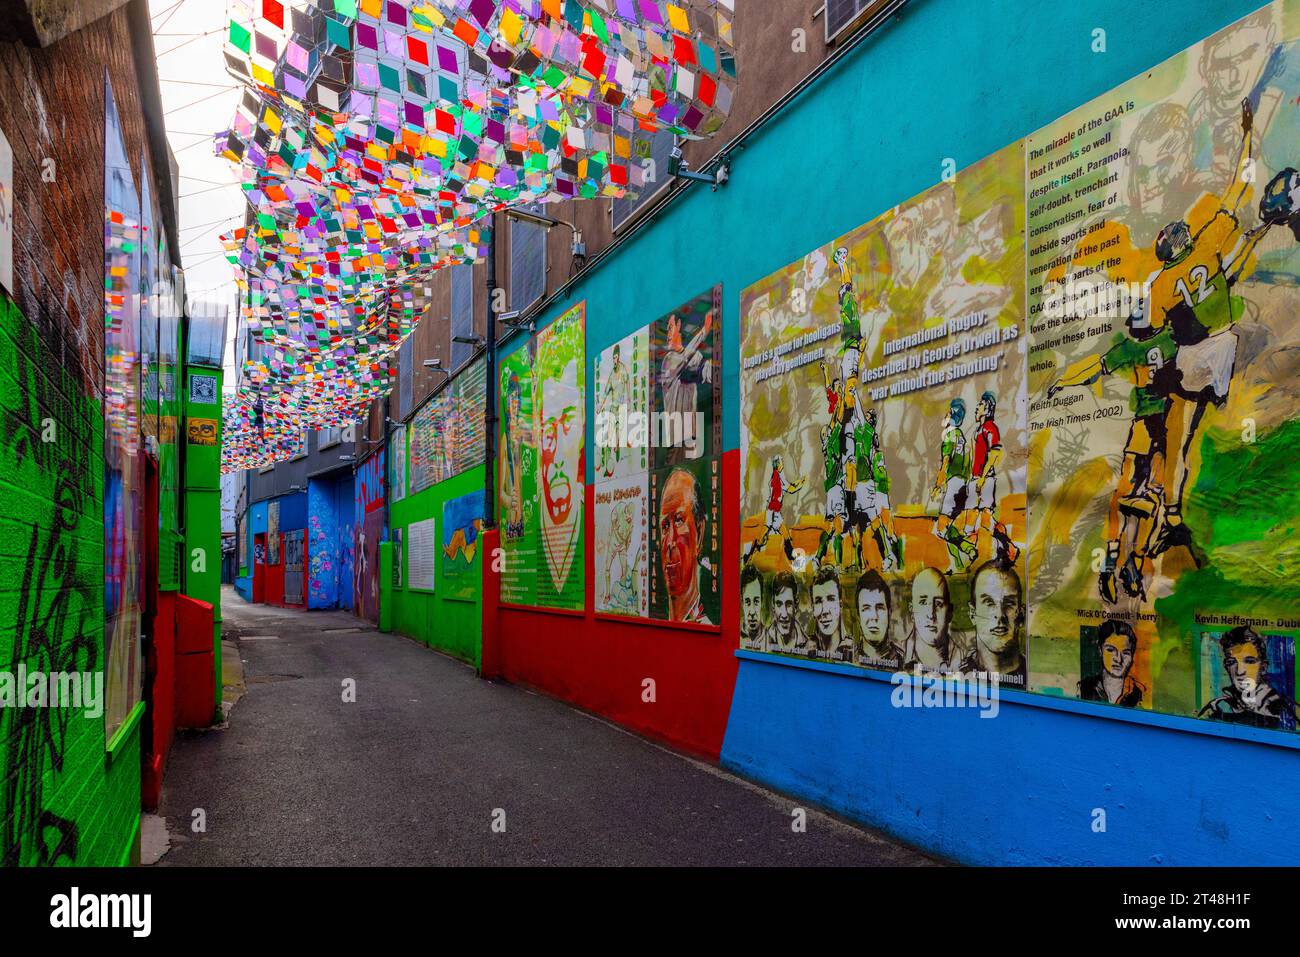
[(680, 167), (511, 319)]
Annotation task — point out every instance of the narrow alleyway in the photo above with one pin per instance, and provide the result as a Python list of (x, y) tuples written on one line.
[(414, 771)]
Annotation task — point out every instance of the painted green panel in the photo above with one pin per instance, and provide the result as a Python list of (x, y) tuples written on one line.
[(448, 624)]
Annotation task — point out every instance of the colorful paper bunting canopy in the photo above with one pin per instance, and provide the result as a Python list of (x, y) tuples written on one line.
[(374, 138)]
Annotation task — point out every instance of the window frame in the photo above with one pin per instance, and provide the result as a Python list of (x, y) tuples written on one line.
[(646, 200)]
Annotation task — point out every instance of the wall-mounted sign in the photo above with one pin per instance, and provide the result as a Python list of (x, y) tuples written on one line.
[(203, 389), (201, 431)]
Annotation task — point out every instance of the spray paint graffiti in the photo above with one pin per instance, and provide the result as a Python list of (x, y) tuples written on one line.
[(49, 443), (368, 532), (324, 545)]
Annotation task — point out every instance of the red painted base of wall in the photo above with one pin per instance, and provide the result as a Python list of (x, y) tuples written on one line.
[(601, 665), (195, 663), (273, 580), (160, 666)]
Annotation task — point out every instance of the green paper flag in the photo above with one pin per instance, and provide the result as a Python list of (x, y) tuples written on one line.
[(240, 38)]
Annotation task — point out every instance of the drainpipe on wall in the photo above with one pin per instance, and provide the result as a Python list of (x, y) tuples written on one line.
[(490, 389), (388, 491)]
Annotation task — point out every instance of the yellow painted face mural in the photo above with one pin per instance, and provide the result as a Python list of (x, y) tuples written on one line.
[(203, 431), (542, 464)]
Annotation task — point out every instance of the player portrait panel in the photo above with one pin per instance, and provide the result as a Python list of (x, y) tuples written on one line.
[(1113, 664), (686, 381), (685, 544), (1248, 678), (622, 402), (622, 519), (985, 634)]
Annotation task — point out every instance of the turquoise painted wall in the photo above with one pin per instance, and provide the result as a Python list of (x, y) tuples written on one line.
[(947, 80), (452, 626)]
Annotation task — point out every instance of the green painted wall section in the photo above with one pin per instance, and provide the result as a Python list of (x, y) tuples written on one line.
[(64, 799), (452, 626), (385, 585), (170, 439), (201, 573)]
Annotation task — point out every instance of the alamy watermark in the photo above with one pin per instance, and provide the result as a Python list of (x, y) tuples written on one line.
[(82, 690), (1092, 299), (625, 428), (974, 689)]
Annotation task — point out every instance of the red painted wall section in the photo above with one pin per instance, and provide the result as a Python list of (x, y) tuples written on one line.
[(259, 570), (160, 665), (275, 579), (195, 664), (600, 664)]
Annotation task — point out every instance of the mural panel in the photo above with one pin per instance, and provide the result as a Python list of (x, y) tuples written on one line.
[(123, 481), (1072, 366), (446, 434), (883, 430), (658, 494), (368, 533), (462, 524), (1164, 290), (542, 466)]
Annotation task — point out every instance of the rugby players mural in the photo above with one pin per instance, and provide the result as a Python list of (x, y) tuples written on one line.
[(1164, 291), (1040, 421), (622, 513), (883, 436)]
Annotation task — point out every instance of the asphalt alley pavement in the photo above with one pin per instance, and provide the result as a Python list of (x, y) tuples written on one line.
[(416, 770)]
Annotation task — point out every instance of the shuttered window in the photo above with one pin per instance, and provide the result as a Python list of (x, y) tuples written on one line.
[(462, 313), (658, 148), (527, 262)]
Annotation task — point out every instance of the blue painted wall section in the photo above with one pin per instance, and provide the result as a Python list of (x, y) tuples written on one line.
[(1019, 788), (293, 511), (329, 543)]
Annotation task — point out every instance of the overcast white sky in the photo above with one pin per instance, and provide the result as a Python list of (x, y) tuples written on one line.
[(200, 98)]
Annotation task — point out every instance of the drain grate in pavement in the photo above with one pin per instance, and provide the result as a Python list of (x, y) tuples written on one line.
[(269, 679), (259, 638), (338, 631)]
